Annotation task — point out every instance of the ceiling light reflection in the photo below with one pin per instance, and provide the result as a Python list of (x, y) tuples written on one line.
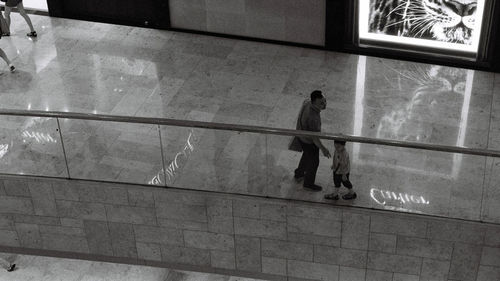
[(39, 137), (4, 148), (178, 162)]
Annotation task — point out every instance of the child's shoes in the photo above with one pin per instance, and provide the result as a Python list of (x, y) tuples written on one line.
[(349, 196)]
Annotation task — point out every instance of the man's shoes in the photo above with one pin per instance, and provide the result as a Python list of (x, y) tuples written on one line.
[(313, 187), (349, 196), (298, 178), (11, 267)]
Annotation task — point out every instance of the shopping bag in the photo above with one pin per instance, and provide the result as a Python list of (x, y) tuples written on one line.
[(295, 145)]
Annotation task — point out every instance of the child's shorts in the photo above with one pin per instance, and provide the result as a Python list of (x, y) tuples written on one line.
[(337, 180), (12, 3)]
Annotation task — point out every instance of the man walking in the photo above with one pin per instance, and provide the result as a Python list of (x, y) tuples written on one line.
[(310, 120)]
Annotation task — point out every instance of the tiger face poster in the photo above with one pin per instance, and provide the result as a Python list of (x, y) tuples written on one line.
[(442, 24)]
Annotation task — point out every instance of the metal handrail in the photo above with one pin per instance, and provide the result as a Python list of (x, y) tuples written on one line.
[(248, 128)]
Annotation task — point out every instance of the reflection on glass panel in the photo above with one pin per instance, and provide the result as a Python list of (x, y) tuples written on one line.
[(111, 151), (214, 160), (175, 160), (390, 178), (31, 145), (423, 103), (420, 181)]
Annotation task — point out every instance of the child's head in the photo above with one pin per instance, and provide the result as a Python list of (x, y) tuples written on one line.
[(339, 145)]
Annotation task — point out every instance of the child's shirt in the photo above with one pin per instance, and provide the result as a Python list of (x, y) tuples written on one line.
[(341, 163)]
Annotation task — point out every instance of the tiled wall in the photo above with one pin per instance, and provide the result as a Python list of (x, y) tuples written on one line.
[(299, 21), (269, 239)]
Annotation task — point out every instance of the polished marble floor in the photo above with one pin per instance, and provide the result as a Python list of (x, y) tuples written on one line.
[(80, 66), (30, 268)]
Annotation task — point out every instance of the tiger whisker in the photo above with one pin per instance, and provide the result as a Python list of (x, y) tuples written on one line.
[(428, 27), (422, 22), (423, 26), (396, 23), (398, 7)]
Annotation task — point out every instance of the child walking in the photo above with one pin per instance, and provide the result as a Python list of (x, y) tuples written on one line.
[(341, 167)]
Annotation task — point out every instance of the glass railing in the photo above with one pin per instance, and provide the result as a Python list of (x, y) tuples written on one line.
[(439, 180)]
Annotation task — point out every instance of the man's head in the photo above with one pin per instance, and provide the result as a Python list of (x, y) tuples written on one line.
[(318, 100)]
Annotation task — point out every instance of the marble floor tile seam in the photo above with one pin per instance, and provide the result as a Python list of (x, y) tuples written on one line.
[(19, 219)]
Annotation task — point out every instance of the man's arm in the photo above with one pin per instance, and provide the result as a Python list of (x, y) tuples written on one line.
[(318, 143), (314, 125)]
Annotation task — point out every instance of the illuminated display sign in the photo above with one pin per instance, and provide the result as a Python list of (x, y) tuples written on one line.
[(402, 202), (440, 24), (177, 162), (384, 197)]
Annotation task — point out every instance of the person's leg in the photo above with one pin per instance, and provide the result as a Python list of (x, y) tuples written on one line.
[(312, 162), (351, 194), (337, 180), (22, 11), (4, 56), (7, 16), (346, 183), (299, 172), (307, 156), (7, 61), (315, 163), (5, 27)]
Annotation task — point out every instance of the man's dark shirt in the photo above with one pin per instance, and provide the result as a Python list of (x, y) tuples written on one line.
[(309, 119)]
